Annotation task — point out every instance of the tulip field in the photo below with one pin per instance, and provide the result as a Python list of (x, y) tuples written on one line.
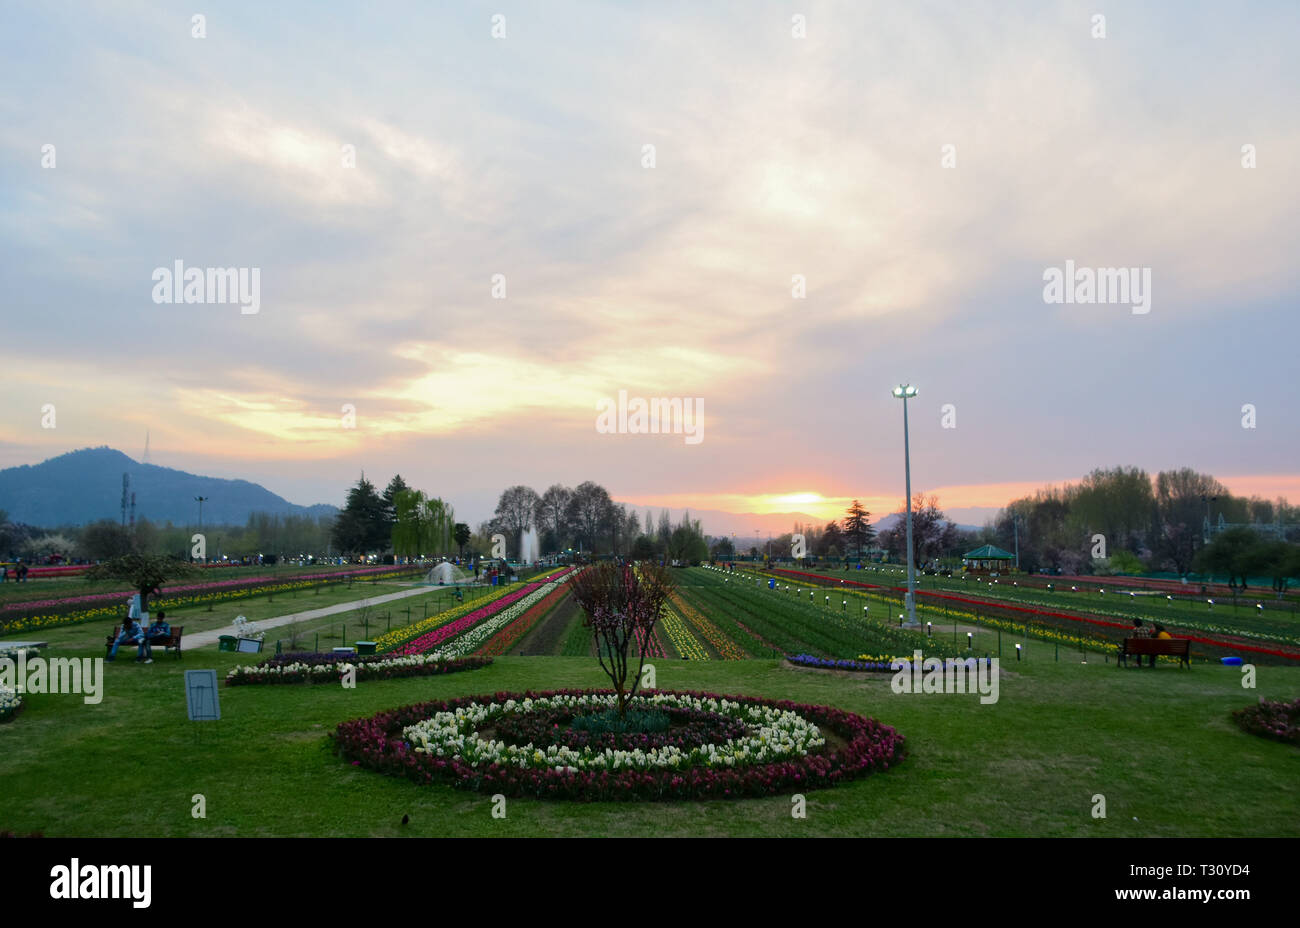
[(765, 677)]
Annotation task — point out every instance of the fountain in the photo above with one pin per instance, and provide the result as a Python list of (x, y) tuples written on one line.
[(529, 547)]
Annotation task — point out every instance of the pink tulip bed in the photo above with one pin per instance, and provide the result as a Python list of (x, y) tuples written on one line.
[(704, 755), (431, 640)]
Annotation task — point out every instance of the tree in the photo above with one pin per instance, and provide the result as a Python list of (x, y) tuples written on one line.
[(622, 604), (588, 513), (643, 549), (832, 540), (932, 534), (857, 528), (1180, 511), (42, 546), (395, 486), (362, 527), (552, 514), (516, 512), (461, 534), (408, 529), (1238, 552), (145, 572), (105, 539)]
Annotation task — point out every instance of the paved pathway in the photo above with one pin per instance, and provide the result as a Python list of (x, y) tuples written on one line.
[(203, 639)]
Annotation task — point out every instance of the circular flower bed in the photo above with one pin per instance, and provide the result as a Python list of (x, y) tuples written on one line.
[(1273, 719), (688, 728), (522, 744)]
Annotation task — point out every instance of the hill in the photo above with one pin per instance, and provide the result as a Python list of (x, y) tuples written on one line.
[(84, 486)]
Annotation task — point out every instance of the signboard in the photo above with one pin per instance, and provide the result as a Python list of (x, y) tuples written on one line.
[(249, 645), (201, 695)]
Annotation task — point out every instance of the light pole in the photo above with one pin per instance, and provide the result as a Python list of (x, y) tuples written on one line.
[(201, 500), (904, 392)]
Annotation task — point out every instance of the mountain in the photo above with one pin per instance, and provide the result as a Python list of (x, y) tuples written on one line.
[(84, 486)]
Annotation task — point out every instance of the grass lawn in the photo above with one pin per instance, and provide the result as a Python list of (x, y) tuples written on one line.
[(1159, 745)]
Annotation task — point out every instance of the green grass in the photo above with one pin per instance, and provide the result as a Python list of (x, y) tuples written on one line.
[(1158, 744)]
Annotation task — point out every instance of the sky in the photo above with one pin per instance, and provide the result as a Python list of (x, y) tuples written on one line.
[(464, 246)]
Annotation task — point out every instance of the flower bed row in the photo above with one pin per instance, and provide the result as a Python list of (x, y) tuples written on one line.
[(395, 639), (27, 616), (509, 636), (475, 637), (328, 668), (868, 663), (783, 749), (679, 636), (727, 649), (1116, 629)]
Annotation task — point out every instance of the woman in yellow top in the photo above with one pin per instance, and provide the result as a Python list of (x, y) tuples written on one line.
[(1161, 633)]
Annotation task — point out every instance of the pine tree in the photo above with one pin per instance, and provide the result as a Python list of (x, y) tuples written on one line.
[(362, 527), (857, 528)]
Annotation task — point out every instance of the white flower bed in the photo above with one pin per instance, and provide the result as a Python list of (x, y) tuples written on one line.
[(337, 670), (774, 735), (10, 701), (473, 639)]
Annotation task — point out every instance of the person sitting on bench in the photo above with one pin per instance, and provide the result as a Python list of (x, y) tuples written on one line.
[(1161, 633), (132, 633), (158, 630), (1141, 631)]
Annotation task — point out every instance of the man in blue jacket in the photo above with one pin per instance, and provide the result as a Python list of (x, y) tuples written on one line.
[(132, 633), (158, 630)]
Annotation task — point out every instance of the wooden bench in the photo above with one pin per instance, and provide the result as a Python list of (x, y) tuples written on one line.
[(1156, 647), (172, 641)]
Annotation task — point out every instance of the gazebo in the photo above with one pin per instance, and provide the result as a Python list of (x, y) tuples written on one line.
[(988, 557)]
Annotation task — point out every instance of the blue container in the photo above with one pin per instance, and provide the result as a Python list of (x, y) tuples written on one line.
[(771, 584), (1231, 661)]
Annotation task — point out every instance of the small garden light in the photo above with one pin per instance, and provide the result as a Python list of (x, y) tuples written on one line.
[(1017, 652)]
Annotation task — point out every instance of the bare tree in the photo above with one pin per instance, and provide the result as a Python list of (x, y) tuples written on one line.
[(622, 605)]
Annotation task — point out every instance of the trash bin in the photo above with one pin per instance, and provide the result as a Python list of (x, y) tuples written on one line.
[(365, 647), (771, 584), (227, 643)]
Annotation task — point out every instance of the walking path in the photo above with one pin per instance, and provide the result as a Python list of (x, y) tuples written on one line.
[(203, 639)]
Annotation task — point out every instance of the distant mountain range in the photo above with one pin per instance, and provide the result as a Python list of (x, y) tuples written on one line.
[(85, 486)]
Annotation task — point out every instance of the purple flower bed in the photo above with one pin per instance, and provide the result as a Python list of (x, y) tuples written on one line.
[(1273, 719), (865, 746), (689, 729), (823, 663)]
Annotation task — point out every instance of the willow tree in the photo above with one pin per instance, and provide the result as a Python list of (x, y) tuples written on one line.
[(422, 525), (622, 604)]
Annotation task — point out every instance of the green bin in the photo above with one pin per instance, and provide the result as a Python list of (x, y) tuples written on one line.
[(227, 643), (365, 647)]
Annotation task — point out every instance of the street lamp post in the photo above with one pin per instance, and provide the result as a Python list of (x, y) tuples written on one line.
[(201, 500), (905, 392)]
